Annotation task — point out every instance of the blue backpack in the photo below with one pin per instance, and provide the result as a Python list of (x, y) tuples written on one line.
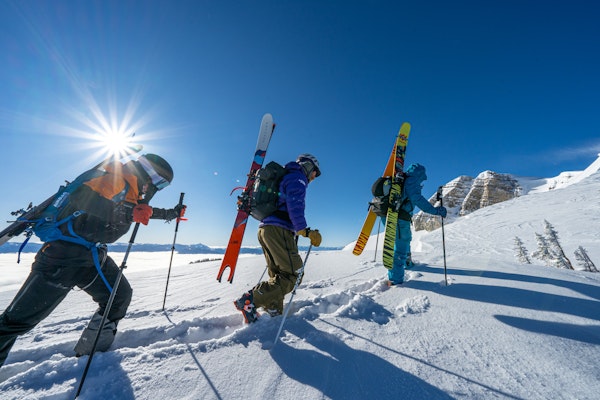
[(47, 226)]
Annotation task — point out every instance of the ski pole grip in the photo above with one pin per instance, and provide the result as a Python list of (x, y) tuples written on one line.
[(179, 217)]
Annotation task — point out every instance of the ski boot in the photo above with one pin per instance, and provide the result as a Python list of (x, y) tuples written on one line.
[(247, 307)]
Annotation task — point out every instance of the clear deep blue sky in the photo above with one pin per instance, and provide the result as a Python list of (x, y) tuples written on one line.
[(508, 86)]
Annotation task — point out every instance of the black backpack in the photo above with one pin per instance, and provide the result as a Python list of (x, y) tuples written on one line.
[(381, 192), (266, 190), (381, 200)]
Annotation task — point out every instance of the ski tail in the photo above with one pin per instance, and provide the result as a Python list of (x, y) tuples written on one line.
[(390, 239), (365, 233), (233, 247)]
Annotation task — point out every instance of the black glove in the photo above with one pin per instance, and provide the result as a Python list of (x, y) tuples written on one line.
[(180, 210), (170, 214)]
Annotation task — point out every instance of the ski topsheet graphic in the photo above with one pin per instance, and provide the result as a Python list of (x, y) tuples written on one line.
[(239, 226), (395, 196)]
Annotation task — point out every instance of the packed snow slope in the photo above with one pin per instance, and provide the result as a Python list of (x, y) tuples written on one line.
[(494, 329)]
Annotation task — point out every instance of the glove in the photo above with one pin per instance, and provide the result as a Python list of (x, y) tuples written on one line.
[(313, 235), (176, 213), (142, 213), (180, 210), (441, 211), (169, 214)]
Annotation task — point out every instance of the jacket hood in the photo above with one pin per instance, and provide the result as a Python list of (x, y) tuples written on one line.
[(293, 166), (417, 171)]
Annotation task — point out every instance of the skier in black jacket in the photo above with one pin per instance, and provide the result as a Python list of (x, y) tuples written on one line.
[(111, 202)]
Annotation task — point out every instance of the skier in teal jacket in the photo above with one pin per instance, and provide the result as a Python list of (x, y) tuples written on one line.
[(411, 197)]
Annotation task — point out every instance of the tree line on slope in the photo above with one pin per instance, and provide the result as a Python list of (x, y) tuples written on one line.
[(551, 252)]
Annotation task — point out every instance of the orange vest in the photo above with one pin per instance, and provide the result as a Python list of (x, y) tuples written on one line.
[(114, 182)]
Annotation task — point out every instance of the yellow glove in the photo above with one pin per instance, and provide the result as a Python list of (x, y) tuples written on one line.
[(313, 235)]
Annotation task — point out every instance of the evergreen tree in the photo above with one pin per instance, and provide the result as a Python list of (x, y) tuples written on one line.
[(543, 251), (521, 252), (584, 260), (552, 236)]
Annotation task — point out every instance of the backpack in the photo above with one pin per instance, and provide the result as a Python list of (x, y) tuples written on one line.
[(47, 225), (265, 194), (381, 192)]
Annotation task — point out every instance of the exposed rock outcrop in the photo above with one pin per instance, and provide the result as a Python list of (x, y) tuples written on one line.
[(465, 194)]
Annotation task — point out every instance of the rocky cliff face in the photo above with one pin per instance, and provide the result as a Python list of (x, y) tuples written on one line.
[(489, 188), (453, 194), (465, 194)]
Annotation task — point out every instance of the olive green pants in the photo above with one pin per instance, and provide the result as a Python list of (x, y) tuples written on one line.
[(283, 263)]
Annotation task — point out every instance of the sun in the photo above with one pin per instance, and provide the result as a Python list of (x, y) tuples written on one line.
[(116, 143)]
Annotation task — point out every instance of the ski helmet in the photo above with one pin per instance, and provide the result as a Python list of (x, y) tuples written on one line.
[(309, 163), (159, 170)]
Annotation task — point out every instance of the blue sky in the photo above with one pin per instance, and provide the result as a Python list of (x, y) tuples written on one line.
[(509, 86)]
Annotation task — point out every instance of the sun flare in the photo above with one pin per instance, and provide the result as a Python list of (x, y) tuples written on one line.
[(115, 143)]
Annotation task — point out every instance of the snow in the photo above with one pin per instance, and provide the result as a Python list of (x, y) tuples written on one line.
[(564, 179), (494, 328)]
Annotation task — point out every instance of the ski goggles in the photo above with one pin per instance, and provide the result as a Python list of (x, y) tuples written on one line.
[(158, 181)]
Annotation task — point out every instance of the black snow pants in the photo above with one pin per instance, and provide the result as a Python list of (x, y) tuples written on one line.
[(47, 285)]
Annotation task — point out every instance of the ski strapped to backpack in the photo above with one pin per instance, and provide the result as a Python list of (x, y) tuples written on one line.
[(265, 195), (48, 226), (381, 198)]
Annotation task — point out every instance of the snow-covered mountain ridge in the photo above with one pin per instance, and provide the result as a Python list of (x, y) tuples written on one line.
[(464, 194)]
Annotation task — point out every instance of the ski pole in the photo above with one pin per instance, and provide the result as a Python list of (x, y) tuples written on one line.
[(263, 274), (287, 308), (377, 240), (108, 307), (173, 249), (441, 200)]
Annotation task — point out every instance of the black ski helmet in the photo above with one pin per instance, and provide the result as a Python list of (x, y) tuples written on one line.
[(158, 169), (309, 163)]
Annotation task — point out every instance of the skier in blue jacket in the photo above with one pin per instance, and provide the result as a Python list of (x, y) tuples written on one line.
[(277, 234), (411, 196)]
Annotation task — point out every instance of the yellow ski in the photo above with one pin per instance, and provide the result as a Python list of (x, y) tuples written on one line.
[(395, 196), (367, 227)]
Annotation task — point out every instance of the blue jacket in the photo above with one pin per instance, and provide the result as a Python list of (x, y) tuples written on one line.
[(291, 204), (415, 175)]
